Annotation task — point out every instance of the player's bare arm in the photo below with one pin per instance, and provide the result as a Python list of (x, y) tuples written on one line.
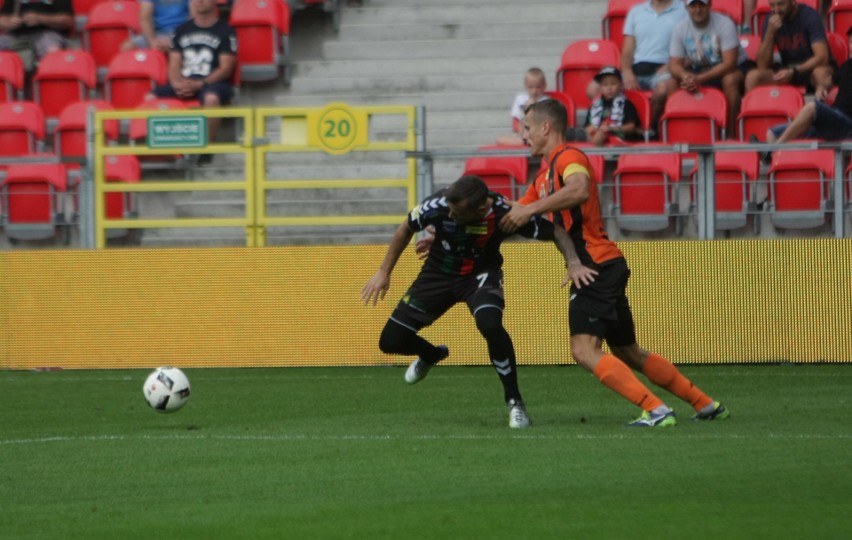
[(575, 270), (573, 193), (378, 285)]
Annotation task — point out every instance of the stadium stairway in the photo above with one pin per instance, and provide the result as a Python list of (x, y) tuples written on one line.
[(464, 62)]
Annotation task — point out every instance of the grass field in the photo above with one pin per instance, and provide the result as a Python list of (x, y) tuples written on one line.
[(356, 453)]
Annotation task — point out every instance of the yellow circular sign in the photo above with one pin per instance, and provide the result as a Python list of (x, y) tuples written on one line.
[(337, 128)]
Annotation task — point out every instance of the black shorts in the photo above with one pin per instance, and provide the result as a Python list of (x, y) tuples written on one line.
[(601, 309), (224, 91), (433, 293)]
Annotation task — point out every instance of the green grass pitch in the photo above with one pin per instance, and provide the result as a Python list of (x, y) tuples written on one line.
[(356, 453)]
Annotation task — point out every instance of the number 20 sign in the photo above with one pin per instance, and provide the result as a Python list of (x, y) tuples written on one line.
[(339, 128)]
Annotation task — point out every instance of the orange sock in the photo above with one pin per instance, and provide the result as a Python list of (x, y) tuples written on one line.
[(663, 373), (613, 373)]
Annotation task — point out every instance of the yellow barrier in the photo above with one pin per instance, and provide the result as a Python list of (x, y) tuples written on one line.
[(333, 129), (697, 302)]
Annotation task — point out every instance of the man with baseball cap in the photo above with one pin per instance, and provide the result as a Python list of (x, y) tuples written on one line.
[(612, 119)]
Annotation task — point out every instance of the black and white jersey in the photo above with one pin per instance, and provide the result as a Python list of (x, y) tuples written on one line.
[(202, 47)]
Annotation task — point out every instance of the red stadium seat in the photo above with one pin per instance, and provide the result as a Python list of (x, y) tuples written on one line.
[(69, 140), (11, 77), (613, 20), (82, 8), (503, 174), (839, 45), (120, 205), (32, 200), (839, 16), (642, 102), (731, 8), (767, 106), (570, 107), (645, 196), (110, 24), (735, 175), (132, 75), (581, 61), (263, 33), (597, 161), (750, 44), (799, 187), (697, 118), (22, 129), (62, 78)]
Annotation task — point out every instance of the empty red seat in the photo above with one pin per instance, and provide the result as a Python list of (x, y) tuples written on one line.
[(62, 78), (22, 129), (581, 61), (263, 33), (120, 205), (799, 187), (11, 77), (570, 107), (33, 202), (735, 174), (839, 16), (694, 118), (109, 25), (642, 102), (645, 196), (132, 75), (613, 20), (69, 139), (503, 174), (839, 46)]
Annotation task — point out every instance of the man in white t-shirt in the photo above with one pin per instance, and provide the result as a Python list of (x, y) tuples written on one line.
[(705, 51)]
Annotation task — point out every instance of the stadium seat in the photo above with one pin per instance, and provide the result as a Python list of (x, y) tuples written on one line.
[(799, 188), (642, 102), (839, 16), (736, 173), (504, 174), (613, 20), (132, 75), (731, 8), (597, 161), (82, 8), (110, 24), (839, 46), (767, 106), (69, 139), (750, 44), (645, 191), (263, 33), (11, 77), (22, 129), (62, 78), (120, 205), (697, 118), (570, 107), (33, 202), (581, 61)]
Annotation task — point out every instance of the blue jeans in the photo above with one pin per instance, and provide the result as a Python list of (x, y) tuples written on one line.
[(830, 124)]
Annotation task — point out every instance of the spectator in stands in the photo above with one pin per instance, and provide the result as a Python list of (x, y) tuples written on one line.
[(705, 51), (817, 119), (612, 119), (202, 60), (35, 28), (535, 84), (645, 51), (796, 30), (158, 19)]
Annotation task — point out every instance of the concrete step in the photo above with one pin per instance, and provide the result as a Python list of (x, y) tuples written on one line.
[(469, 13), (495, 30), (442, 101), (460, 67), (545, 46), (405, 83)]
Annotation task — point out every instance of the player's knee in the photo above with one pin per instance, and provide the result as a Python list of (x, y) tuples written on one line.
[(489, 321), (393, 338)]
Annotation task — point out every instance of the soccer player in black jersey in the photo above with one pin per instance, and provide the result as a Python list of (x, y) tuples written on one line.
[(464, 264)]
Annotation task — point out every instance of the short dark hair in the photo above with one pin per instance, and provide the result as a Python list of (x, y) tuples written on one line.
[(552, 111), (467, 188)]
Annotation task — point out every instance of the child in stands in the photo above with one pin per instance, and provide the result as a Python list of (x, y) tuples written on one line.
[(612, 119), (535, 85)]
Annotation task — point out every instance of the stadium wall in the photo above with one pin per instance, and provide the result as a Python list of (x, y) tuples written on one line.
[(695, 302)]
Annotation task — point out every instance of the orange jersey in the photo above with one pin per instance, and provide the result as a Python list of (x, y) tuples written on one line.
[(584, 223)]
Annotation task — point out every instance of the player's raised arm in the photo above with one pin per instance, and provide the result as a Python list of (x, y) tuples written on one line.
[(378, 285)]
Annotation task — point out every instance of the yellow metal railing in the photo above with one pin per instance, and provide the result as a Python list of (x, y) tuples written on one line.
[(334, 129)]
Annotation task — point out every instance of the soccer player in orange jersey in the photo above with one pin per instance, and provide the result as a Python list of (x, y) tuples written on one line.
[(598, 307)]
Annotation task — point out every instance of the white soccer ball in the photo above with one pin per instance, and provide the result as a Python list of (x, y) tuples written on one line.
[(166, 389)]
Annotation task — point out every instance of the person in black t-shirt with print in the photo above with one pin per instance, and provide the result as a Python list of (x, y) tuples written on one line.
[(202, 59), (34, 28)]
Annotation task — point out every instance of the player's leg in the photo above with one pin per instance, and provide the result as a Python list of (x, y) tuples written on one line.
[(486, 302), (429, 297)]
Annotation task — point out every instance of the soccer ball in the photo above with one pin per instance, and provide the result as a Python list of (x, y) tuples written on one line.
[(166, 389)]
